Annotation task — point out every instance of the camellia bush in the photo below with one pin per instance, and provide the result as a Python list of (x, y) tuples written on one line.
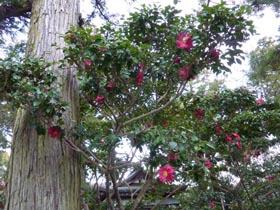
[(130, 74), (134, 81), (227, 160)]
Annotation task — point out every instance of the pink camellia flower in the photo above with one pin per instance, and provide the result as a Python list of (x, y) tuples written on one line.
[(208, 164), (270, 178), (184, 41), (236, 136), (212, 204), (141, 66), (218, 129), (214, 54), (228, 138), (87, 64), (139, 78), (2, 185), (184, 73), (99, 100), (110, 85), (199, 113), (166, 174), (238, 145), (172, 156), (177, 60), (260, 101), (55, 132)]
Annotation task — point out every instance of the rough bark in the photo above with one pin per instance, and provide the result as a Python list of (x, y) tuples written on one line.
[(44, 174)]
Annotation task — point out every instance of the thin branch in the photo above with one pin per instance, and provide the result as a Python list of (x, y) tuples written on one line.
[(111, 111), (223, 205), (179, 188), (112, 173), (115, 187), (94, 161), (130, 160), (163, 96), (179, 92), (144, 189), (100, 7), (243, 185), (109, 199)]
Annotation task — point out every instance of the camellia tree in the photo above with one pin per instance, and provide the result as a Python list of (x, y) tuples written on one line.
[(229, 164), (129, 75)]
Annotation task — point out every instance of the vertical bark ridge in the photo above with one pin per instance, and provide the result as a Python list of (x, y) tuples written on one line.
[(43, 173)]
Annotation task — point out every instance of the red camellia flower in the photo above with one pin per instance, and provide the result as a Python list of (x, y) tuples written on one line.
[(214, 54), (139, 78), (184, 73), (87, 64), (199, 113), (218, 129), (110, 85), (228, 138), (55, 132), (212, 204), (99, 100), (260, 101), (172, 156), (236, 137), (257, 153), (208, 164), (166, 174), (184, 41)]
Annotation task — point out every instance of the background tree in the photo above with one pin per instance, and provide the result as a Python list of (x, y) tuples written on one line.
[(265, 68), (261, 4)]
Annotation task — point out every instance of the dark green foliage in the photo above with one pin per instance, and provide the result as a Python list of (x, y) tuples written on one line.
[(149, 39)]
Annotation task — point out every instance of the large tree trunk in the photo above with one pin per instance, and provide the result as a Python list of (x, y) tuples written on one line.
[(44, 174)]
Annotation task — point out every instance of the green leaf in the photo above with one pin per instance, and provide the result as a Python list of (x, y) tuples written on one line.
[(173, 145)]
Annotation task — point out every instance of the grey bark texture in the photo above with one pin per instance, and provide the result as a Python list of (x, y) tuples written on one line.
[(44, 174)]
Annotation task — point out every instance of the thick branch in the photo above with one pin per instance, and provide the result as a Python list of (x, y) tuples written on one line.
[(9, 11)]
